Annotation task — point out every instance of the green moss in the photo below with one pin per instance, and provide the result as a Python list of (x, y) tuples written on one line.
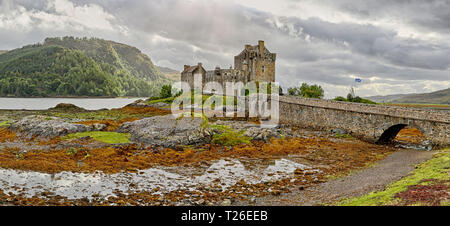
[(5, 123), (436, 168), (338, 135), (72, 151), (168, 100), (226, 101), (91, 115), (106, 137), (227, 136), (114, 114)]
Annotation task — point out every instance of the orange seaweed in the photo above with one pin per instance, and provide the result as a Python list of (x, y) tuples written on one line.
[(340, 156), (410, 135), (7, 135), (144, 110)]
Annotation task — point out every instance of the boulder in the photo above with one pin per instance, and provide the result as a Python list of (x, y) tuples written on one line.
[(46, 127), (339, 131), (166, 131), (253, 130)]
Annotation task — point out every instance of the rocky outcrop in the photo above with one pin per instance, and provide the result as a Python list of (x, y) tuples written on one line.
[(46, 127), (253, 130), (166, 131), (66, 107)]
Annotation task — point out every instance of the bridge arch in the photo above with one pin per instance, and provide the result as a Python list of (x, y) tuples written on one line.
[(392, 131)]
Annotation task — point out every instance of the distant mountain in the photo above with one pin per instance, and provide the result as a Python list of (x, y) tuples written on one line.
[(172, 74), (386, 99), (438, 97), (78, 67)]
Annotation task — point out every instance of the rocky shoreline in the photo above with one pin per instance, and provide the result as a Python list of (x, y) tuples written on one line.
[(162, 154)]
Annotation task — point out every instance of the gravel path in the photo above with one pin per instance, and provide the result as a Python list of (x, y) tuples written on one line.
[(375, 178)]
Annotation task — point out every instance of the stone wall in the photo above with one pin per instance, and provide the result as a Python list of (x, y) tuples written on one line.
[(222, 76), (368, 121)]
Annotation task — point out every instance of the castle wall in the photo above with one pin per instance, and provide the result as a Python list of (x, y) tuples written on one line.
[(254, 63)]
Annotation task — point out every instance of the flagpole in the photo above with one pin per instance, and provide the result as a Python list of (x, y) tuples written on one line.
[(357, 80)]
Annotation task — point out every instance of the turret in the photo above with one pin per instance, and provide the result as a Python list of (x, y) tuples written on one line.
[(261, 46)]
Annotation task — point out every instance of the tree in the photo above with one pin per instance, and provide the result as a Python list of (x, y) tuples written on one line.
[(339, 98), (294, 91), (352, 98), (307, 91), (166, 91)]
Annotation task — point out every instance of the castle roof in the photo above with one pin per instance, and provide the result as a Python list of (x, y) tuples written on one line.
[(258, 49), (191, 69)]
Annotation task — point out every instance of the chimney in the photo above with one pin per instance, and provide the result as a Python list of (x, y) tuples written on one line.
[(199, 65), (186, 67), (247, 47), (261, 46)]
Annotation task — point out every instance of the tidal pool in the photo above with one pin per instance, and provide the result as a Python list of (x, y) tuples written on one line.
[(83, 185)]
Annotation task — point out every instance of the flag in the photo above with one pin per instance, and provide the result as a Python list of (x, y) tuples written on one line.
[(358, 80)]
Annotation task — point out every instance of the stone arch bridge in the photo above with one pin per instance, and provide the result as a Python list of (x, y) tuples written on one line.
[(374, 122)]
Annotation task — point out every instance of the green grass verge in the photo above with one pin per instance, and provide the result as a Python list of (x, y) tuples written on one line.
[(94, 115), (226, 101), (435, 168), (105, 137)]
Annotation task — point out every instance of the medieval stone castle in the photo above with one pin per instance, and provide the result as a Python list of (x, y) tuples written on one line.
[(254, 63)]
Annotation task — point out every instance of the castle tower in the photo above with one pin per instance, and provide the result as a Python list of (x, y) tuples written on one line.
[(256, 62)]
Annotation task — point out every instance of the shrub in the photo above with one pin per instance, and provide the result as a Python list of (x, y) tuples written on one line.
[(227, 136), (357, 99), (339, 98), (166, 91), (307, 91)]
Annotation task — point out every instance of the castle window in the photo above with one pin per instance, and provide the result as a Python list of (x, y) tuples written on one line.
[(262, 69)]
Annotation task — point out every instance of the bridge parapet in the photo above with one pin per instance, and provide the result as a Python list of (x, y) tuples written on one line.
[(393, 111)]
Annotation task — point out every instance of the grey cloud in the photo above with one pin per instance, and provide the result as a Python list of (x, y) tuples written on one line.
[(177, 32), (430, 15)]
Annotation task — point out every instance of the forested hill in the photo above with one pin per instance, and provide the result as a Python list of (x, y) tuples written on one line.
[(78, 67)]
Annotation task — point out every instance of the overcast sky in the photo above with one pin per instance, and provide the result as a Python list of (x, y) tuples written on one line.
[(394, 46)]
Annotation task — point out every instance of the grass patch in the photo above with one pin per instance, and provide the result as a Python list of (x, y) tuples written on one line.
[(227, 136), (105, 137), (168, 100), (436, 168), (5, 123), (114, 114), (226, 101), (92, 115), (338, 135)]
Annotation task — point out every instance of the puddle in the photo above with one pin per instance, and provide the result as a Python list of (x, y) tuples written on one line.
[(82, 185)]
